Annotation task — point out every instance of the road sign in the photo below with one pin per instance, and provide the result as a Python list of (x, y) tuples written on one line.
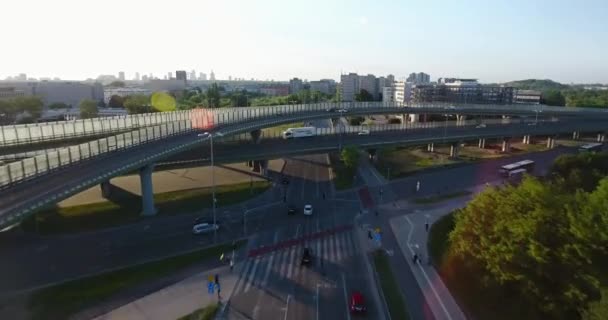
[(377, 237), (210, 287), (210, 278)]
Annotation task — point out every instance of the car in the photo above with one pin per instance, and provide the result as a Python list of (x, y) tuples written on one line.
[(204, 219), (202, 228), (481, 125), (291, 209), (330, 109), (306, 257), (342, 110), (308, 210), (357, 303), (204, 135), (363, 132), (285, 181)]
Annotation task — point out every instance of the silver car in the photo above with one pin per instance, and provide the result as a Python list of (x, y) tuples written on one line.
[(204, 228)]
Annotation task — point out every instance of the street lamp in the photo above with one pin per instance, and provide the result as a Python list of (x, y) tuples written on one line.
[(208, 135)]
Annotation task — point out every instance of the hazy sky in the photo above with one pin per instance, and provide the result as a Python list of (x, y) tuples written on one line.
[(490, 40)]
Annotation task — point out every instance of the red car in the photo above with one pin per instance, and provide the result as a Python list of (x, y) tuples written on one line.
[(357, 303)]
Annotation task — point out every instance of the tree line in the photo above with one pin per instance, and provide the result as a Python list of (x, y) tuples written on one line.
[(541, 245), (557, 94)]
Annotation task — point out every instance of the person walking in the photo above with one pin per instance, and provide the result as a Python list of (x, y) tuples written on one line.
[(415, 259), (231, 265), (426, 225), (417, 186)]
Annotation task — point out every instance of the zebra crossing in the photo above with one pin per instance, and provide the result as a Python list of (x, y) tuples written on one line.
[(284, 263)]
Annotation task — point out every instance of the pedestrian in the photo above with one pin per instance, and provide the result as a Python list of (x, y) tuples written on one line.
[(415, 257), (231, 265), (369, 234), (426, 226), (217, 280), (417, 186)]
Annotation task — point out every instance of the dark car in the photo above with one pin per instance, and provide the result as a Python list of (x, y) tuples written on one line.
[(357, 303), (331, 109), (306, 257), (208, 220), (291, 209)]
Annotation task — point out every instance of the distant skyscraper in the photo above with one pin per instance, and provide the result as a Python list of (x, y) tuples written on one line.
[(21, 77), (368, 83), (192, 75), (419, 78), (295, 85), (121, 76), (169, 75), (136, 76), (349, 86), (229, 78), (144, 78), (180, 75), (202, 76), (212, 76)]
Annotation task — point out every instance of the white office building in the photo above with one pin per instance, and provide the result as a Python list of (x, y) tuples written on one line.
[(349, 86), (369, 84)]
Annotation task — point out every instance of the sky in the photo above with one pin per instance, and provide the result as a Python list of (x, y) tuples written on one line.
[(494, 41)]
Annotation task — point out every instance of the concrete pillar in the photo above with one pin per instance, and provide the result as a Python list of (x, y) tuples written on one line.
[(264, 167), (256, 136), (601, 137), (506, 145), (106, 189), (430, 147), (256, 166), (550, 143), (575, 135), (414, 117), (147, 190), (373, 155), (482, 143), (460, 120), (526, 140), (454, 150)]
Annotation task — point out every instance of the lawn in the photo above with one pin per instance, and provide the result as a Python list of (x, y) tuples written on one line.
[(442, 197), (108, 214), (390, 287), (61, 301), (206, 313), (397, 162), (279, 129), (343, 176)]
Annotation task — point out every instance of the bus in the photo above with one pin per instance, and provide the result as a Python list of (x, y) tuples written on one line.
[(517, 168), (591, 147), (291, 133)]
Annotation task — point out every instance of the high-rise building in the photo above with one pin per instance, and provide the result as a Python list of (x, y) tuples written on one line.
[(326, 86), (136, 76), (455, 90), (229, 78), (419, 78), (202, 76), (390, 79), (192, 75), (368, 83), (169, 75), (212, 76), (121, 76), (180, 75), (349, 86), (295, 85), (144, 78)]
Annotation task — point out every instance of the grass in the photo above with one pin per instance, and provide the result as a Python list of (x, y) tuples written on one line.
[(206, 313), (442, 197), (438, 243), (127, 210), (390, 287), (398, 162), (61, 301), (279, 129), (343, 175)]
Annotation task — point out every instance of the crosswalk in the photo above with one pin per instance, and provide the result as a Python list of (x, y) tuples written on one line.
[(328, 249)]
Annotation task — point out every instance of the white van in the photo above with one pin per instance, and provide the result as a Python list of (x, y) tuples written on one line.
[(299, 132)]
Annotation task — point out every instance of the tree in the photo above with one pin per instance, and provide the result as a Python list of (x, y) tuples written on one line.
[(553, 97), (213, 96), (88, 109), (580, 171), (350, 157), (138, 103), (8, 112), (239, 99), (58, 105), (355, 121), (528, 239), (116, 101), (363, 95), (117, 84), (33, 106)]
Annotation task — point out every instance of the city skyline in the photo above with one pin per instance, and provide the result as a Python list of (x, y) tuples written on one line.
[(497, 42)]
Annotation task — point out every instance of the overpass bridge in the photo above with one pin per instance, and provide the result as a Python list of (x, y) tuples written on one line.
[(33, 183)]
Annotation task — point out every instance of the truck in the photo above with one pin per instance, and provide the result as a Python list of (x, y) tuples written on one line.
[(302, 132)]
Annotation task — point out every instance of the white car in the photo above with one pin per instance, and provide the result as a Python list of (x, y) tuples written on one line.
[(204, 228), (341, 110), (308, 210), (363, 132), (481, 125)]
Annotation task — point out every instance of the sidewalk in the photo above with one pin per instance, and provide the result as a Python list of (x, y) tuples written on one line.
[(412, 238), (177, 300)]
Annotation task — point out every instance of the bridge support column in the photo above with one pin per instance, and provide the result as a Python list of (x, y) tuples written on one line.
[(414, 117), (256, 135), (430, 147), (482, 143), (550, 142), (106, 189), (575, 135), (454, 149), (460, 120), (506, 146), (147, 191), (601, 137), (526, 140)]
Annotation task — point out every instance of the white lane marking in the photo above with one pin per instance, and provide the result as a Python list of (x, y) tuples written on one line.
[(345, 297), (317, 301), (340, 245), (243, 276), (287, 306), (296, 266), (291, 262), (269, 265), (317, 183), (326, 249), (297, 230), (375, 174), (426, 277), (252, 275)]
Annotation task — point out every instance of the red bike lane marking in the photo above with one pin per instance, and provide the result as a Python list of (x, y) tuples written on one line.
[(366, 198)]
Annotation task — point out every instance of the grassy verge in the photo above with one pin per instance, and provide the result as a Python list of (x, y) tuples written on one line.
[(343, 175), (127, 210), (390, 287), (439, 238), (206, 313), (398, 162), (61, 301), (279, 129), (441, 197)]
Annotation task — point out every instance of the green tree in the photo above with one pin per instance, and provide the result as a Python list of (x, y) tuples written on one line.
[(363, 95), (239, 99), (580, 171), (350, 156), (33, 106), (553, 97), (213, 96), (88, 109), (8, 111), (355, 121), (138, 103), (58, 105), (525, 238), (116, 101)]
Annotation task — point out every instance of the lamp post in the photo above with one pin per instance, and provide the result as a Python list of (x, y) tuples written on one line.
[(213, 199)]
